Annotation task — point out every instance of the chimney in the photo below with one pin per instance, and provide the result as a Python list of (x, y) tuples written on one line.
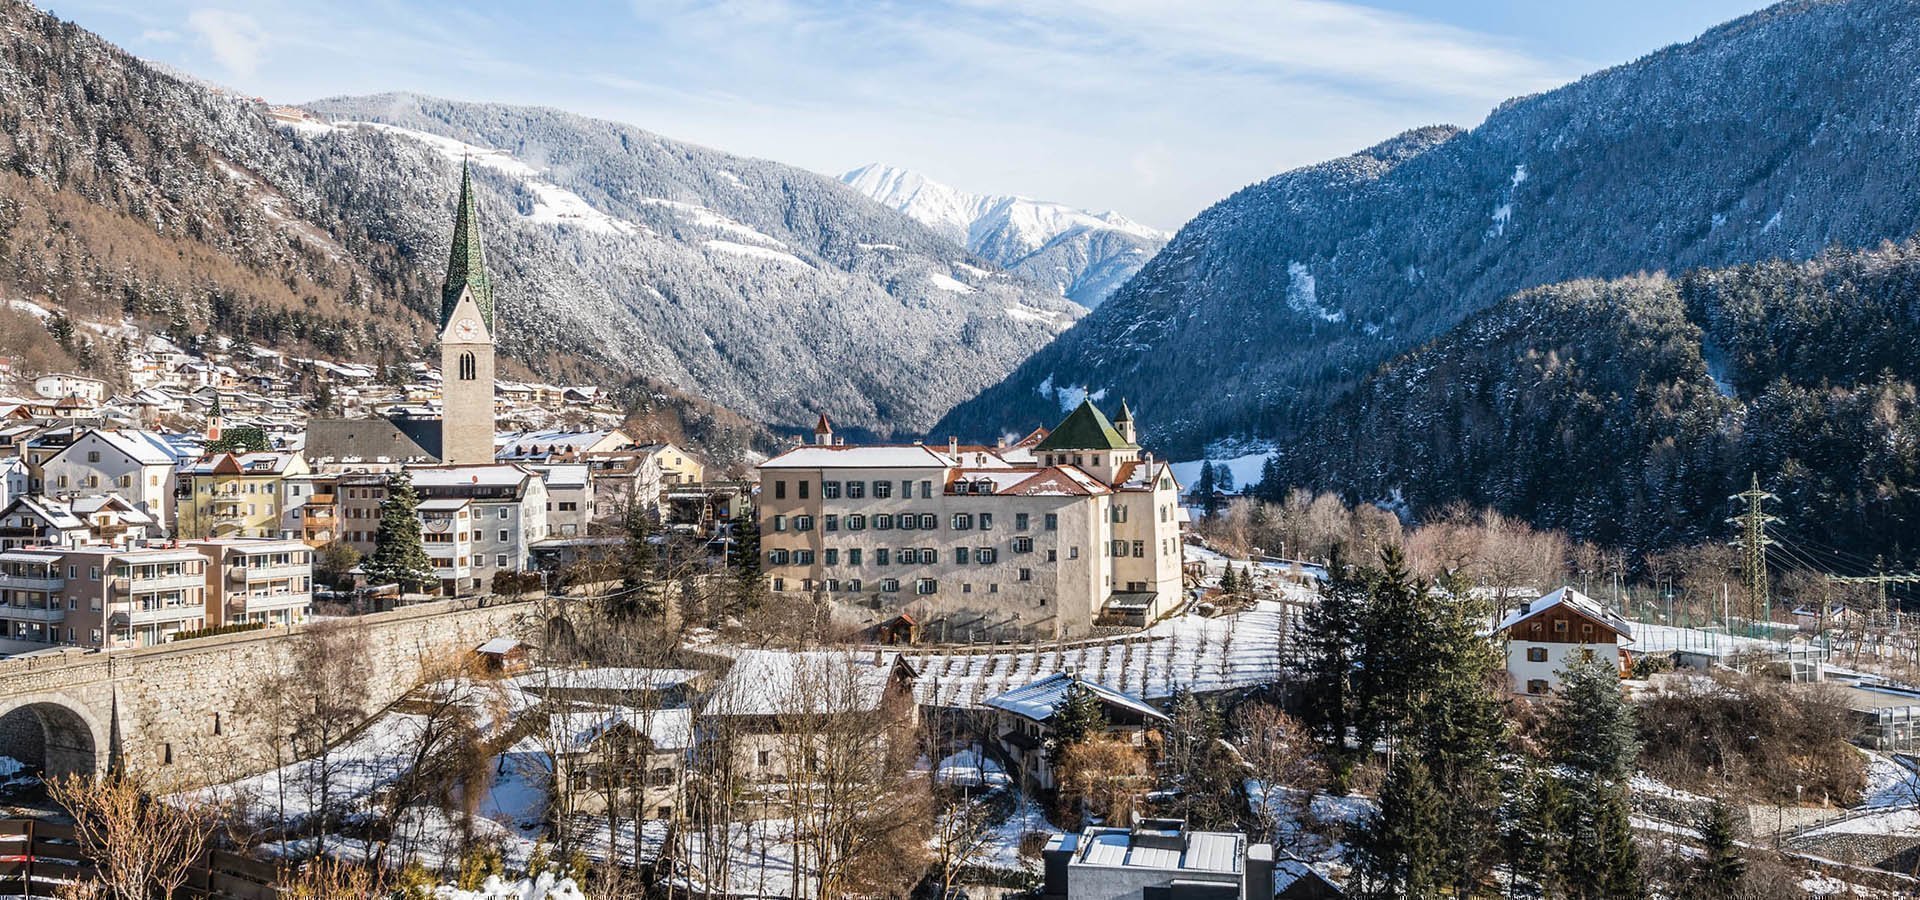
[(1260, 870), (953, 445)]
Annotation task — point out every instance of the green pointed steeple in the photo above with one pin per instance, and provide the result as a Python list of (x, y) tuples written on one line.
[(467, 267), (1086, 428)]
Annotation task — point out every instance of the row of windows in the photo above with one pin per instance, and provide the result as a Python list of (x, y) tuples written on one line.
[(907, 522), (1139, 548), (889, 585), (884, 556)]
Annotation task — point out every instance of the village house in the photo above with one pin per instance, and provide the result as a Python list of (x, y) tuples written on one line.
[(1156, 858), (677, 466), (236, 494), (570, 503), (62, 385), (138, 465), (1041, 539), (1547, 636), (634, 758), (769, 711), (1023, 722)]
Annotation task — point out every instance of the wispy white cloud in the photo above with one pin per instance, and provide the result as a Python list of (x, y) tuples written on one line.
[(159, 36), (237, 42)]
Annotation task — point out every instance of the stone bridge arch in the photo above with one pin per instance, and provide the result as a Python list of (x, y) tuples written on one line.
[(54, 734)]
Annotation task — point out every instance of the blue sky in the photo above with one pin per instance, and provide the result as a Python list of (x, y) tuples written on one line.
[(1154, 108)]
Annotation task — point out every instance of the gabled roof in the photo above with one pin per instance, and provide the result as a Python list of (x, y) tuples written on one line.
[(143, 447), (1058, 481), (1038, 700), (665, 729), (369, 439), (818, 682), (1574, 600), (814, 456), (56, 513), (1086, 428)]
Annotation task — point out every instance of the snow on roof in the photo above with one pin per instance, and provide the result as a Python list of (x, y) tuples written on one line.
[(1182, 653), (777, 682), (1581, 603), (498, 475), (1059, 481), (557, 440), (498, 646), (144, 447), (1215, 852), (569, 475), (1038, 700), (56, 513), (443, 504), (606, 678), (665, 729), (901, 456)]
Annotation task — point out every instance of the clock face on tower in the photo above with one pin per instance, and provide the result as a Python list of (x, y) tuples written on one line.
[(466, 329)]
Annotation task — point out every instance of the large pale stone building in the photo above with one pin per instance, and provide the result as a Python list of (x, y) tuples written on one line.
[(1044, 538)]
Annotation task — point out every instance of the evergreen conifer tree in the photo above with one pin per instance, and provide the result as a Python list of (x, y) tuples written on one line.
[(1590, 727), (749, 585), (637, 564), (399, 556), (1079, 716), (1209, 491), (1328, 652), (1229, 584), (1721, 867), (1399, 853)]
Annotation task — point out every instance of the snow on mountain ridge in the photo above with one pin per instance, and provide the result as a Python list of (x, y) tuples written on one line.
[(1094, 251)]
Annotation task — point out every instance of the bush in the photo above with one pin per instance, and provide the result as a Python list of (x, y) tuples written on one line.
[(1770, 740)]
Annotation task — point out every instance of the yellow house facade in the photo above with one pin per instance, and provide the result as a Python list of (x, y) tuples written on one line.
[(228, 495)]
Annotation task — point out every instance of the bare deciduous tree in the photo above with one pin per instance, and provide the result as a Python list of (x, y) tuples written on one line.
[(140, 847)]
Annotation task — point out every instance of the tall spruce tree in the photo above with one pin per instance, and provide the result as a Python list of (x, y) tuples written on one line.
[(1328, 652), (1591, 745), (638, 562), (1590, 727), (1721, 867), (399, 555), (1209, 490), (1460, 731), (1399, 854)]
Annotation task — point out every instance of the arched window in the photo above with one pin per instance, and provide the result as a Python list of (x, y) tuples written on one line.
[(467, 367)]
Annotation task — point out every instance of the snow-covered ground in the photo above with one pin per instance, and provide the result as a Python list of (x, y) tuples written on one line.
[(1245, 469), (970, 767), (545, 887)]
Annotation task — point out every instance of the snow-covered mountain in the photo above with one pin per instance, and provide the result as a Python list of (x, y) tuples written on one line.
[(1777, 135), (1084, 255)]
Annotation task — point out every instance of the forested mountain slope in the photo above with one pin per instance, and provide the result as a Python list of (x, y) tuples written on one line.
[(1773, 136), (619, 256), (1628, 411)]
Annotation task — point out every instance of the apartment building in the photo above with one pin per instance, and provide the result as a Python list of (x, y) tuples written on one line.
[(506, 510), (447, 532), (107, 597), (570, 502), (1045, 538), (257, 581), (236, 494), (309, 508)]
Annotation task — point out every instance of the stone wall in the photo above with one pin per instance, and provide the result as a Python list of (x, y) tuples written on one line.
[(191, 714)]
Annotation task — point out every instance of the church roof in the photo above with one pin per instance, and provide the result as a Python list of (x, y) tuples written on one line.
[(1086, 428), (467, 263)]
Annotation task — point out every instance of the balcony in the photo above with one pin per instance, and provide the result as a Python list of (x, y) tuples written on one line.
[(243, 604), (33, 613), (268, 573), (33, 582), (165, 614), (183, 581)]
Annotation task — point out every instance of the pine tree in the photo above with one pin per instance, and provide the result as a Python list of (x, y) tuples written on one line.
[(1078, 716), (1193, 766), (638, 578), (1328, 652), (1590, 727), (1721, 867), (1601, 861), (1209, 491), (399, 556), (1536, 831), (749, 583), (1460, 731), (1229, 584), (1399, 852)]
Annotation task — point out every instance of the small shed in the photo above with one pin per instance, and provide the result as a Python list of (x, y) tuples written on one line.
[(900, 629), (503, 655)]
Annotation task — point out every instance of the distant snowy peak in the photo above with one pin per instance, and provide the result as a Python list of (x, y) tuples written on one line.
[(1085, 255)]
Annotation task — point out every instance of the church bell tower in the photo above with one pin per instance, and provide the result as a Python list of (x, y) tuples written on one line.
[(466, 341)]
